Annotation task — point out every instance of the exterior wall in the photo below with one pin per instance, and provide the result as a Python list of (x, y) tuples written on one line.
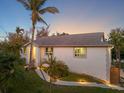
[(96, 62), (108, 60), (34, 56), (38, 57), (27, 54)]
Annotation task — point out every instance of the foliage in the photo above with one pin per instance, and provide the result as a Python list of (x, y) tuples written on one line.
[(32, 83), (8, 70), (10, 59), (36, 6), (14, 42), (116, 37), (60, 34), (18, 38), (7, 47), (43, 32), (57, 68)]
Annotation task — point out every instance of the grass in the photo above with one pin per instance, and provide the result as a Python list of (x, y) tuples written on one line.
[(31, 83), (81, 77)]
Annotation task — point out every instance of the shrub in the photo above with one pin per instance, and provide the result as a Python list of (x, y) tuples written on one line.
[(57, 68)]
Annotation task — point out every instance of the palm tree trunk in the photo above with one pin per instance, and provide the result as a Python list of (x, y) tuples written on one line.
[(32, 39)]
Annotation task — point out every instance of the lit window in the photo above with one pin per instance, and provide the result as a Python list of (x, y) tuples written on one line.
[(49, 51), (80, 52)]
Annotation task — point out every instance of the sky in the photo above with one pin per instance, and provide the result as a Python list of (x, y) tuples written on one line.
[(76, 16)]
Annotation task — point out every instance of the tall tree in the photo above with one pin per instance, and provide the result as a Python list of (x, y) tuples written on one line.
[(116, 38), (15, 41), (37, 10)]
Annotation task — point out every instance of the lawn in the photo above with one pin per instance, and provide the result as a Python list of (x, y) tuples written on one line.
[(81, 77), (33, 84)]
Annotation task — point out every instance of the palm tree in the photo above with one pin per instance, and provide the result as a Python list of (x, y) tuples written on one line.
[(37, 10)]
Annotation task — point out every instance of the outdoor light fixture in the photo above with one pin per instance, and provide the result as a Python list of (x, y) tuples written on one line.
[(82, 81)]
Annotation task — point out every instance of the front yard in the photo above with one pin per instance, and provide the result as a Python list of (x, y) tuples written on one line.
[(33, 84), (81, 78)]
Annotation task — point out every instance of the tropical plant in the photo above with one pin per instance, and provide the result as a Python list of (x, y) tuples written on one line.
[(116, 38), (37, 10), (8, 70), (56, 69)]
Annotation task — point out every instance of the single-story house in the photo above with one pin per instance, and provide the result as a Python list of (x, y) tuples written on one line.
[(87, 53)]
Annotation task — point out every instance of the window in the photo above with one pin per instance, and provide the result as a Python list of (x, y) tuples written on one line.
[(49, 51), (80, 52)]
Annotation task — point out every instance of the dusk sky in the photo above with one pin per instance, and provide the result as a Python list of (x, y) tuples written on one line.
[(76, 16)]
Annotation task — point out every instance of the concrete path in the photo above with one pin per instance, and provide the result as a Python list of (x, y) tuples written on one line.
[(68, 83)]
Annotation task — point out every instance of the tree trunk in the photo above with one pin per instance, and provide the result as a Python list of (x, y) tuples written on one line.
[(118, 56), (31, 48), (118, 59)]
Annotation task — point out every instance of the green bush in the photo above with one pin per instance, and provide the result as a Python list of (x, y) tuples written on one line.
[(57, 68)]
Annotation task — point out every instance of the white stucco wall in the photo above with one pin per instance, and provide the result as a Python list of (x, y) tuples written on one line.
[(108, 60), (27, 54), (34, 55), (95, 63)]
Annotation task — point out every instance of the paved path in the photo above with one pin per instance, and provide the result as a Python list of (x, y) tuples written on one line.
[(68, 83)]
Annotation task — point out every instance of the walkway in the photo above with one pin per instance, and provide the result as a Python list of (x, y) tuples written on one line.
[(68, 83)]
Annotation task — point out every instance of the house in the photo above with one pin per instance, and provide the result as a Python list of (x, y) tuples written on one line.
[(83, 53)]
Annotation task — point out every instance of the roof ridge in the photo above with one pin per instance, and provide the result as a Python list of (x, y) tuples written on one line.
[(75, 34), (88, 33)]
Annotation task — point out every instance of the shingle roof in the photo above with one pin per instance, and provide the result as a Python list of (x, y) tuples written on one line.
[(89, 39)]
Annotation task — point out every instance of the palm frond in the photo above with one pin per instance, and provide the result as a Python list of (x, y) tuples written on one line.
[(40, 19), (25, 3), (36, 4), (40, 3), (52, 10)]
